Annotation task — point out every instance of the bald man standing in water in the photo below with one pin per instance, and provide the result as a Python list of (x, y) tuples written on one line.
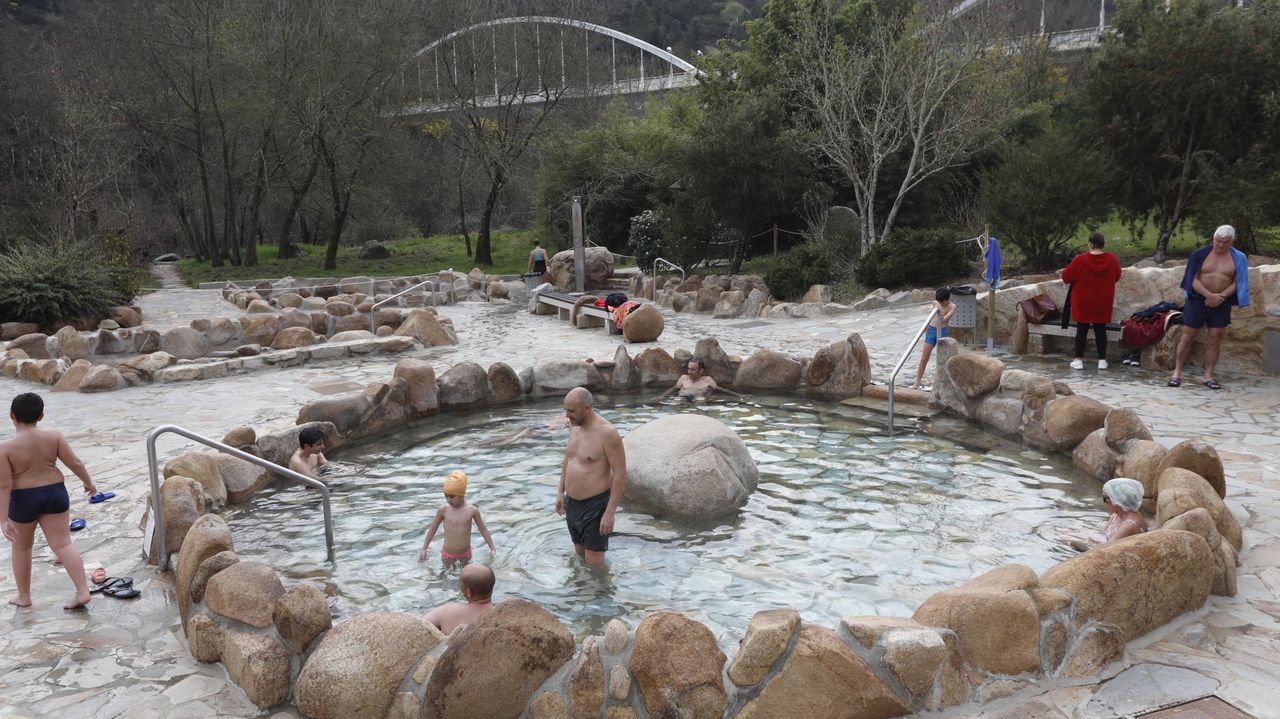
[(592, 477), (476, 582)]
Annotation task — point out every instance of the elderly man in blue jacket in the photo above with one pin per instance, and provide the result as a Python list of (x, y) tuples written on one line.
[(1217, 279)]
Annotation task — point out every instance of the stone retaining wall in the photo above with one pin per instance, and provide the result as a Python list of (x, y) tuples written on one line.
[(999, 632)]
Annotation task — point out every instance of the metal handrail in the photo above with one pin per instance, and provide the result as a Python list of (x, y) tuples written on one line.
[(157, 506), (893, 376), (397, 295), (668, 263)]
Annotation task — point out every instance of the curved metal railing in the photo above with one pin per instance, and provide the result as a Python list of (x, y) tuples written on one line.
[(893, 376), (157, 508)]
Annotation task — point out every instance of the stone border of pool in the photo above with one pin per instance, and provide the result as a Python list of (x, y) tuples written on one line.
[(1000, 632)]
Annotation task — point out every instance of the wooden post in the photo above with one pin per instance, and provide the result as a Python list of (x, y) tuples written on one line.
[(775, 238)]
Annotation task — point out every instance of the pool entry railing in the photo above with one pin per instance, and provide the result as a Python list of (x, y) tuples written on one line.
[(898, 367), (157, 509), (397, 295), (668, 263)]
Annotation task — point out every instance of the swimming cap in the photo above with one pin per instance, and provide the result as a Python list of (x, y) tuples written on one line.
[(1125, 492), (456, 482)]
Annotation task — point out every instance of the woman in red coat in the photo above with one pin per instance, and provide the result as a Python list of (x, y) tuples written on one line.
[(1094, 274)]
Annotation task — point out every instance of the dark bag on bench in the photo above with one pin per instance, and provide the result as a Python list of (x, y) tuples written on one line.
[(1038, 308)]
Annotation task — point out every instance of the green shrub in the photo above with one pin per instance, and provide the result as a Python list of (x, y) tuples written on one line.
[(645, 237), (912, 257), (790, 275), (45, 283)]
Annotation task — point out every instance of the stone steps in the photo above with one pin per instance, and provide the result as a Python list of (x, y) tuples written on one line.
[(901, 395), (880, 406)]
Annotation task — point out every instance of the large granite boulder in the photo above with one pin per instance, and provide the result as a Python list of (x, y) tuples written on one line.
[(768, 370), (1068, 420), (624, 376), (677, 667), (1200, 457), (258, 329), (1139, 583), (424, 396), (206, 537), (824, 679), (102, 378), (293, 338), (840, 369), (74, 376), (504, 383), (344, 411), (763, 643), (207, 570), (1142, 460), (1094, 456), (657, 368), (183, 502), (599, 266), (643, 324), (359, 664), (241, 478), (245, 592), (14, 330), (184, 343), (143, 368), (259, 665), (688, 465), (35, 344), (492, 668), (1199, 521), (994, 617), (463, 385), (715, 361), (975, 374), (1122, 427), (72, 344), (301, 614), (125, 316), (202, 468), (1179, 490), (556, 377)]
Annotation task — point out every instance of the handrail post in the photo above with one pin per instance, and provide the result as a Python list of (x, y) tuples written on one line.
[(897, 368), (153, 465), (668, 263), (376, 305)]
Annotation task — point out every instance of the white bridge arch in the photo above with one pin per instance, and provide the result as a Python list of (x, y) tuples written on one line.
[(635, 78)]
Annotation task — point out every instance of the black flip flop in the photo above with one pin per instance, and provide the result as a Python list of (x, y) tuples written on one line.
[(112, 583), (123, 592), (1212, 384), (1174, 382)]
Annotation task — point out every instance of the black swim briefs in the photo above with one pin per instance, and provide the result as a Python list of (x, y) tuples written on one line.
[(28, 505), (583, 518), (1197, 314)]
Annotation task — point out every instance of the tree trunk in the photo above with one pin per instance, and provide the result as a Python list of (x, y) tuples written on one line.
[(484, 253), (462, 217), (299, 194), (215, 252)]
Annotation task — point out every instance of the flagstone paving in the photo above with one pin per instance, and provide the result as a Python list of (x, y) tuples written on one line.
[(129, 659)]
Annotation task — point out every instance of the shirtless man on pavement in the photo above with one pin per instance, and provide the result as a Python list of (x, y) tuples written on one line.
[(32, 493), (592, 478), (1216, 279), (476, 582)]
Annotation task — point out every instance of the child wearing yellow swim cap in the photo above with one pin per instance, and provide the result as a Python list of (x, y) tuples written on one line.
[(456, 515)]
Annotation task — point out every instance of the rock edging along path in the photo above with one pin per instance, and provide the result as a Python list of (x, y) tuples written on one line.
[(993, 635)]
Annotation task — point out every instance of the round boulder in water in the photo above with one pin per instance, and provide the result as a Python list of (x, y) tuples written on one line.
[(688, 465)]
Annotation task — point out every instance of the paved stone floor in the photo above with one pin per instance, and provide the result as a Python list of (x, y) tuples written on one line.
[(128, 658)]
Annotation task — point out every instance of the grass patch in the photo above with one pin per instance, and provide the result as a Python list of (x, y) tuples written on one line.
[(416, 256)]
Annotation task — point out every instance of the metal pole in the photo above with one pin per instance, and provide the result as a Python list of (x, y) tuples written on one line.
[(579, 248), (893, 376)]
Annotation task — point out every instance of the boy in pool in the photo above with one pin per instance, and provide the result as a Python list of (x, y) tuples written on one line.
[(939, 327), (456, 515), (309, 457)]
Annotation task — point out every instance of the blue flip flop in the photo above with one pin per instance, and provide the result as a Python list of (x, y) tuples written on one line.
[(77, 525), (101, 497)]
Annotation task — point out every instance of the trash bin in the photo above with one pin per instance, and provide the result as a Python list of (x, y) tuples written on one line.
[(966, 299), (532, 280)]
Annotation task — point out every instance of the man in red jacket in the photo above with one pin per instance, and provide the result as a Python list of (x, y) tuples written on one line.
[(1094, 275)]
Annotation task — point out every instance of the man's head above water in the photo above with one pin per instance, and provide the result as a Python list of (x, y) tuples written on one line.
[(477, 582), (577, 406)]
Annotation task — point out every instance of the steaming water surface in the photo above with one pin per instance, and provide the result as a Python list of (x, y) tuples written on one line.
[(846, 520)]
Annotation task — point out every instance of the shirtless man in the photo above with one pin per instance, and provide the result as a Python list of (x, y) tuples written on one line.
[(476, 582), (697, 384), (32, 491), (1217, 278), (309, 457), (592, 478)]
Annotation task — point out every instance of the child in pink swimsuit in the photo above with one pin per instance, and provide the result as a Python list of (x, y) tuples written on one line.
[(456, 516)]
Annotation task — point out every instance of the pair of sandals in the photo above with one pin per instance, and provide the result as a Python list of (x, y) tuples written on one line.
[(1210, 383), (117, 587)]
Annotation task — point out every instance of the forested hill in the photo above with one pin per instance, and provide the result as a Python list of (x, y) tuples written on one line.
[(685, 26)]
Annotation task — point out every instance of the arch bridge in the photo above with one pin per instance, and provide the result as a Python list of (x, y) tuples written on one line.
[(535, 59)]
